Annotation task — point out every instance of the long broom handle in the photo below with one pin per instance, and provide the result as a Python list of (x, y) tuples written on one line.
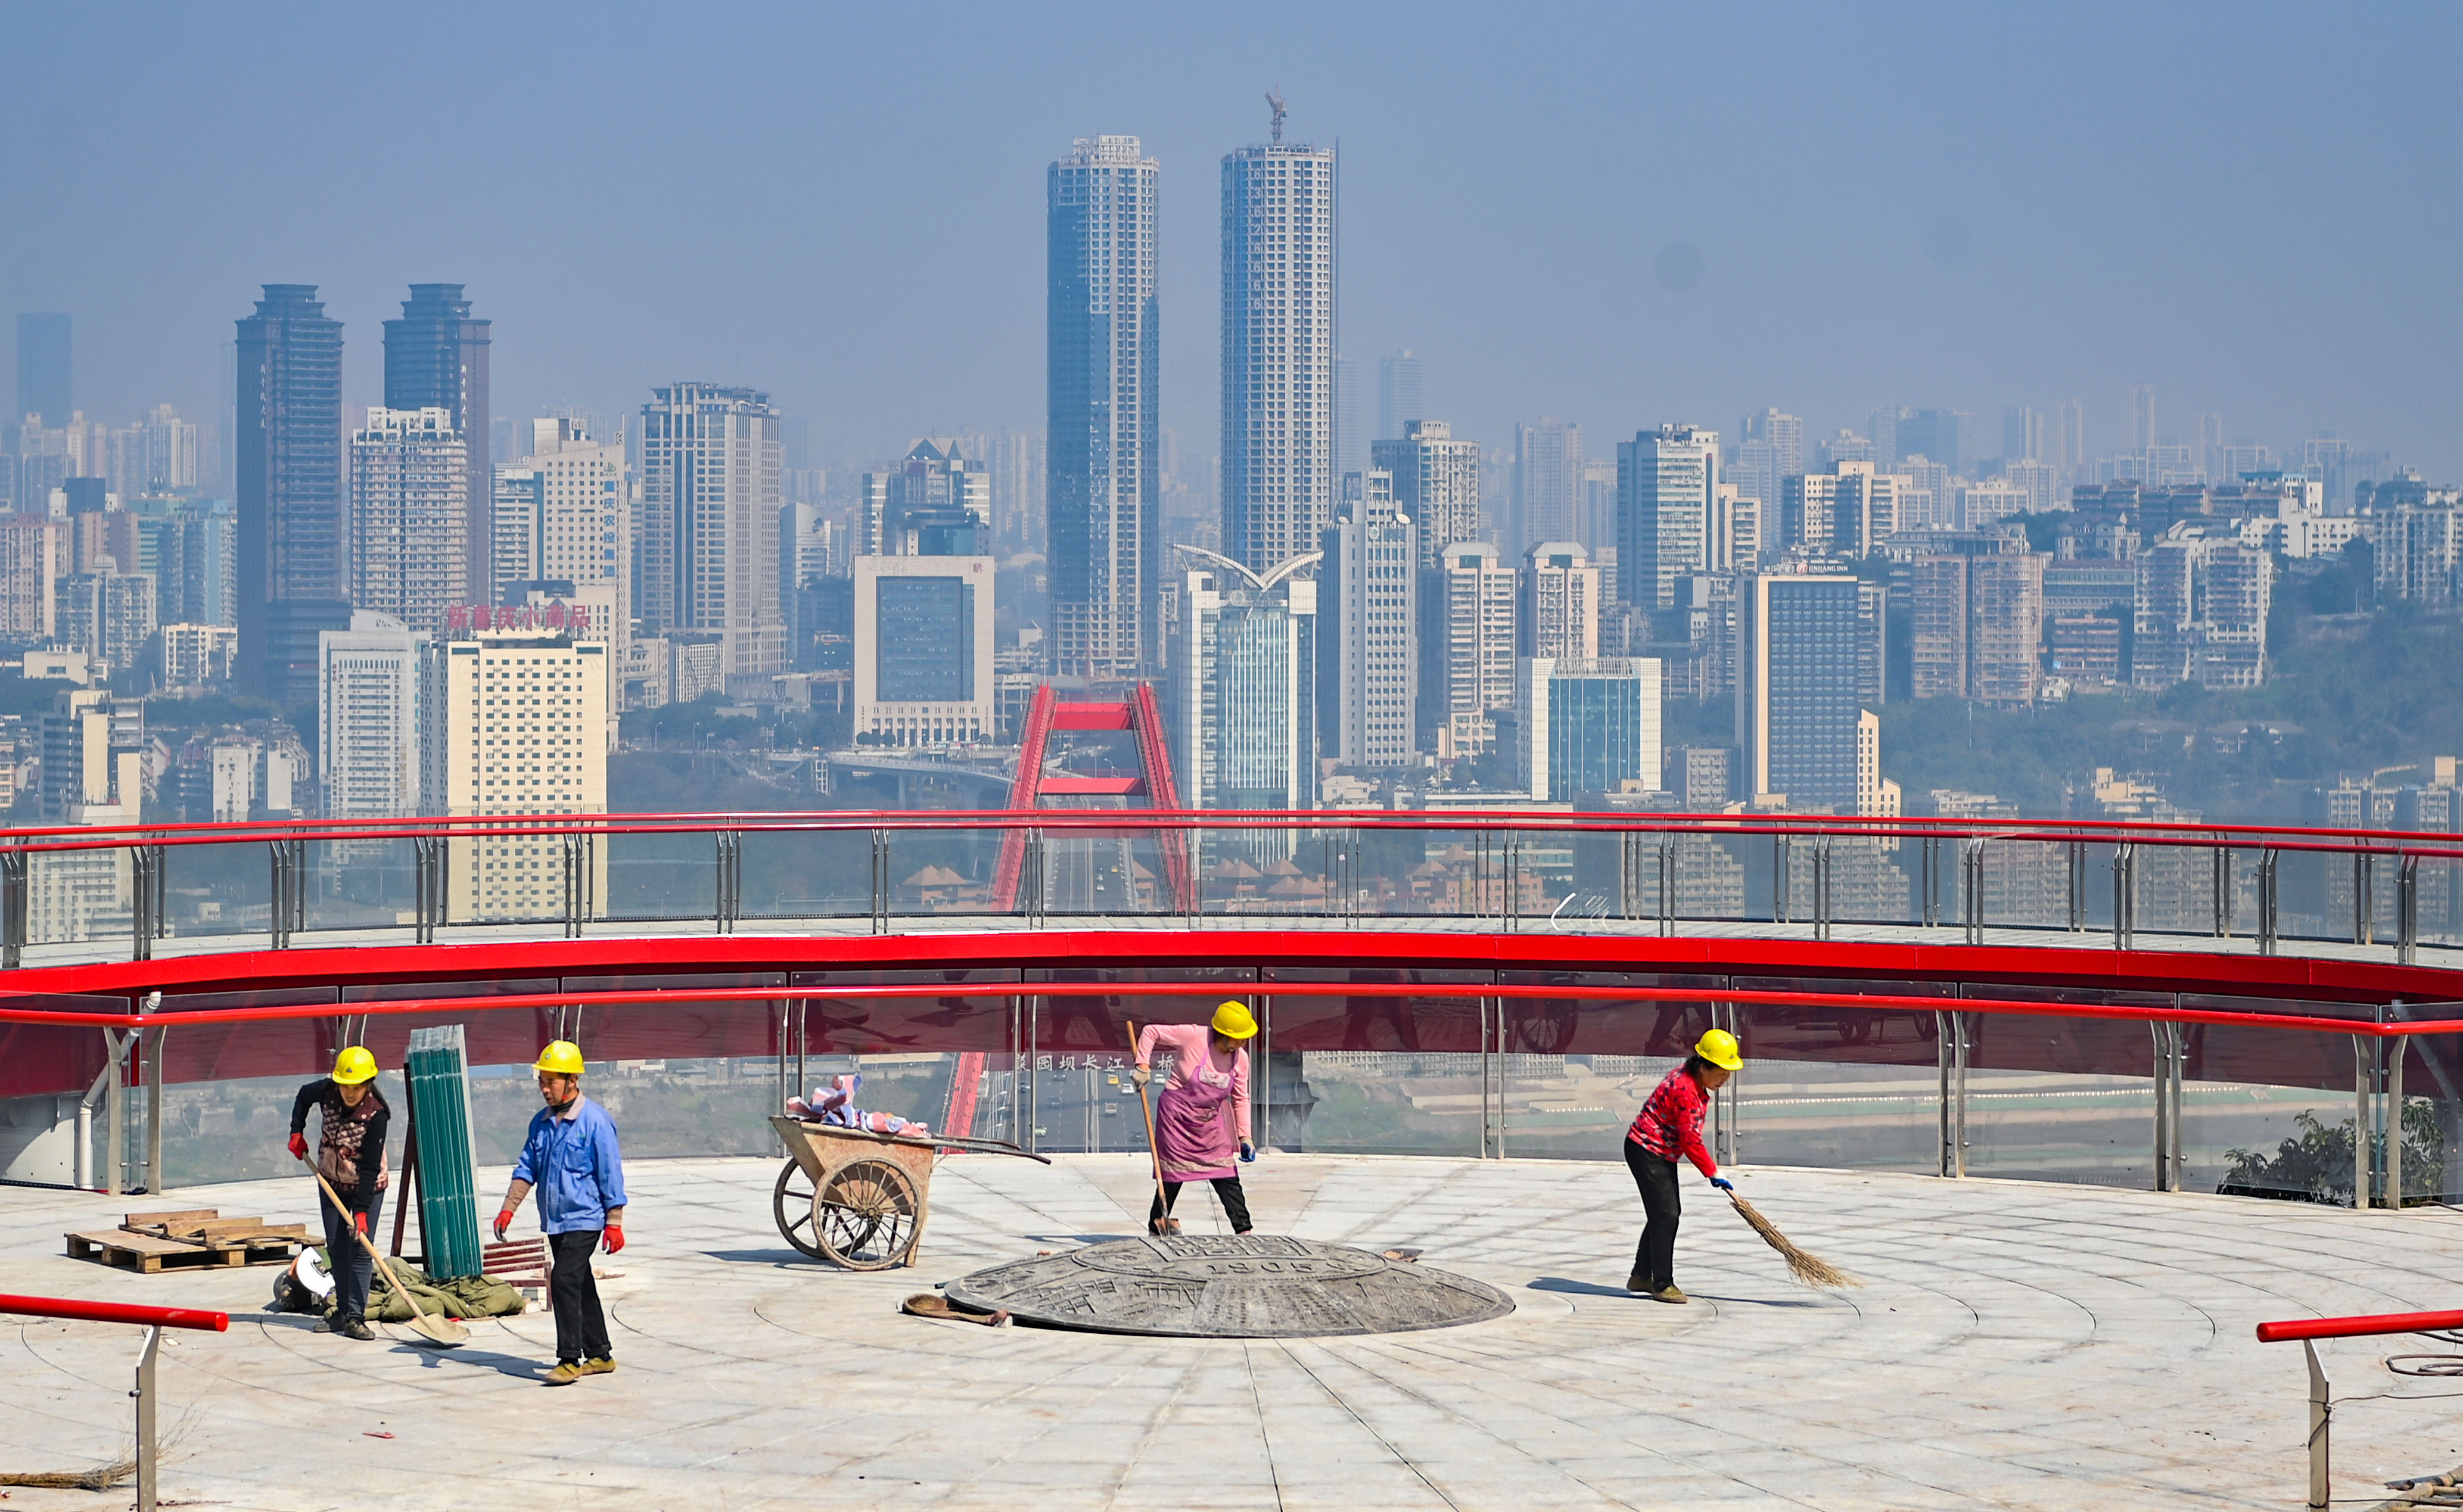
[(370, 1245), (1154, 1152)]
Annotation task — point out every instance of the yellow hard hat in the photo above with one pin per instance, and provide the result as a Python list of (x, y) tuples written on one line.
[(354, 1065), (1233, 1020), (563, 1057), (1719, 1048)]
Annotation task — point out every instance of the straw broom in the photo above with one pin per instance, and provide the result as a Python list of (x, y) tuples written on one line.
[(1810, 1269)]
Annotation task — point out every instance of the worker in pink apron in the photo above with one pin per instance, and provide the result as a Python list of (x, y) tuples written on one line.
[(1202, 1119)]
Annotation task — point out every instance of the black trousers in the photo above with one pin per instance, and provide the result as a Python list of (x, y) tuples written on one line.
[(1654, 1259), (352, 1266), (580, 1328), (1235, 1203)]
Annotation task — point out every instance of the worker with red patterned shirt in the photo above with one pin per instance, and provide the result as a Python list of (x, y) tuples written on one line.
[(1670, 1125)]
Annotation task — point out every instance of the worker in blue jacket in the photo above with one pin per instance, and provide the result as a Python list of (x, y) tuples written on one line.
[(571, 1157)]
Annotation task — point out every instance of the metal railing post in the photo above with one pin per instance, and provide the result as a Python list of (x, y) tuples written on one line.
[(1931, 881), (2322, 1410), (730, 885), (1950, 1048), (2392, 1051), (1628, 873), (2163, 1103), (1667, 883), (148, 1461), (1971, 887), (1821, 887), (2125, 894), (115, 1109), (1958, 1087), (13, 907), (2223, 893), (2268, 894), (2406, 911), (2078, 886), (2365, 910), (1779, 860), (2364, 1158)]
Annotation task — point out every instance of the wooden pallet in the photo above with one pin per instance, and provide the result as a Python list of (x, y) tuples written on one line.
[(189, 1238), (143, 1252)]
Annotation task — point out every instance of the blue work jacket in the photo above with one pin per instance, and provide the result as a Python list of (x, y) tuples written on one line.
[(573, 1166)]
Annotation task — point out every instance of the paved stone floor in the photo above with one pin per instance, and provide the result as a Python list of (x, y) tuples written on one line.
[(2018, 1345)]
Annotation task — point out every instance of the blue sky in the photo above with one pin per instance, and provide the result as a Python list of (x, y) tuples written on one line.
[(2254, 209)]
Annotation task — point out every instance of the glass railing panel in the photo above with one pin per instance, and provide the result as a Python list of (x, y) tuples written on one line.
[(1577, 1070), (217, 891), (1379, 1072), (949, 1060), (2058, 1099), (371, 887), (655, 876), (80, 897), (2313, 893), (818, 874)]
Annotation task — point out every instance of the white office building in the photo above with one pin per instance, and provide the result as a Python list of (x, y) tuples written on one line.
[(1559, 614), (367, 719), (1586, 724), (565, 514), (1468, 611), (1243, 691), (706, 531), (1369, 596), (924, 650), (1278, 465), (409, 521), (514, 721)]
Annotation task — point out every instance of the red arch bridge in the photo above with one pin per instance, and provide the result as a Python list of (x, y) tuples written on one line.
[(2265, 1009)]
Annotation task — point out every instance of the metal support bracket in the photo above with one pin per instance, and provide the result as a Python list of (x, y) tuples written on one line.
[(288, 890), (146, 896), (2125, 894), (2269, 893), (148, 1450), (1971, 888), (2322, 1410), (1951, 1045), (731, 879)]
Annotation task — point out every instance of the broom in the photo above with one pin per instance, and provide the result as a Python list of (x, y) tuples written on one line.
[(1810, 1269)]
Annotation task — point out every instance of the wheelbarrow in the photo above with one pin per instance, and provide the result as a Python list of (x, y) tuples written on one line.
[(859, 1199)]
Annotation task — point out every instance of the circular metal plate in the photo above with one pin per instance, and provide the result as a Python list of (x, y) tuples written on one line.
[(1231, 1287)]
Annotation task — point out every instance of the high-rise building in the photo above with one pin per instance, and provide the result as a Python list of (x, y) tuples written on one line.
[(936, 502), (367, 719), (1586, 724), (1351, 435), (1975, 600), (1548, 483), (1769, 449), (1367, 611), (924, 649), (564, 513), (1948, 436), (2045, 487), (1735, 539), (1877, 796), (436, 357), (1558, 611), (409, 474), (1797, 690), (1845, 446), (106, 613), (1278, 289), (2201, 610), (1020, 486), (34, 558), (1402, 393), (1105, 561), (195, 656), (1243, 690), (287, 442), (1847, 510), (707, 533), (1468, 608), (2022, 435), (1436, 482), (1665, 483), (2141, 419), (43, 370), (514, 721)]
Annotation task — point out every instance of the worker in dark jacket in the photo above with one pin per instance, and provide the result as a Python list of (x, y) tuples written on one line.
[(571, 1157), (351, 1155), (1668, 1125)]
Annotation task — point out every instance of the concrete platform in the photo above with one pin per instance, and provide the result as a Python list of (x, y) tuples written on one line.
[(2018, 1344)]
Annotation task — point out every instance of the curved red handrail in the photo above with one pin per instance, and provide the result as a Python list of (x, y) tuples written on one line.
[(84, 1312), (2356, 1328)]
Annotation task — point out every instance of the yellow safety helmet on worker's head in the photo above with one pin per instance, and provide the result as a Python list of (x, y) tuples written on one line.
[(1719, 1048), (563, 1057), (1233, 1022), (354, 1065)]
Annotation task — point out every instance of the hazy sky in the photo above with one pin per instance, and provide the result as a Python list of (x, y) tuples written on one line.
[(2254, 209)]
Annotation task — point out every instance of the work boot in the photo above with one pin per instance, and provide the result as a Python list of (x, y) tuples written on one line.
[(1669, 1293), (324, 1324), (605, 1365), (355, 1329), (1638, 1282), (565, 1373)]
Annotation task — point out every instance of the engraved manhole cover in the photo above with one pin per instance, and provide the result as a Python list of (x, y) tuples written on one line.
[(1236, 1286)]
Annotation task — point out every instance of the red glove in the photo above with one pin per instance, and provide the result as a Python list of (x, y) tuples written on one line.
[(504, 1219), (298, 1146), (614, 1239), (359, 1221)]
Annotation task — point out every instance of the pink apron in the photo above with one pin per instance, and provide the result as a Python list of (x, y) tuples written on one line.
[(1192, 1133)]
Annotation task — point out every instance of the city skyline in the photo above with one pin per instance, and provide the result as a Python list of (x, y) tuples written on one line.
[(1973, 288)]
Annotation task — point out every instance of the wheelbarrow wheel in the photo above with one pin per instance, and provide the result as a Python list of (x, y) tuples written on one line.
[(790, 1200), (864, 1215)]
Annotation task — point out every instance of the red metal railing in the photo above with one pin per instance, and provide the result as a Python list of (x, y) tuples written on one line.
[(2292, 1329)]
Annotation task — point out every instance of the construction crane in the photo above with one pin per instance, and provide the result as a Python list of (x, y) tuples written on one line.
[(1275, 103)]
